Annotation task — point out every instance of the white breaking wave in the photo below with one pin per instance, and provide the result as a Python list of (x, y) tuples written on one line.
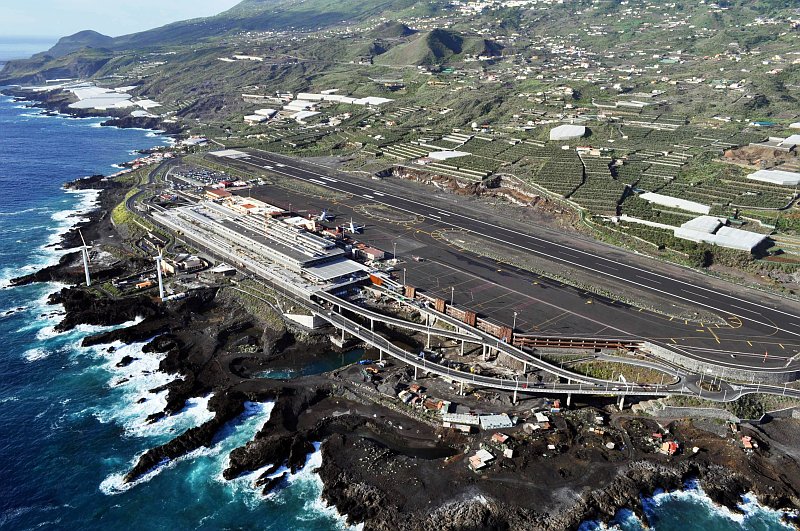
[(115, 484), (308, 477), (36, 354), (134, 382), (749, 505), (25, 211), (240, 430)]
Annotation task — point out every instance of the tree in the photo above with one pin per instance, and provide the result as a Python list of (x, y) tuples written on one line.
[(700, 256)]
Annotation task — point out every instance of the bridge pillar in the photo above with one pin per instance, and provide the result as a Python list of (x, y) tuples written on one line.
[(462, 347), (342, 335), (461, 390), (428, 343), (514, 400), (380, 354), (621, 402), (569, 399), (484, 351), (372, 325), (415, 372)]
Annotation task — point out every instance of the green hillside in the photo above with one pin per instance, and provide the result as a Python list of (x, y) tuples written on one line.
[(78, 41), (275, 15), (436, 47)]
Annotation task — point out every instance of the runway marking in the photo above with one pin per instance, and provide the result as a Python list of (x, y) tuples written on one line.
[(549, 321), (435, 216), (692, 293), (368, 196), (444, 214), (746, 310), (317, 181), (378, 194)]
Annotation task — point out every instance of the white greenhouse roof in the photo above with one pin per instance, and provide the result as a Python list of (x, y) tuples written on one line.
[(697, 230), (444, 155), (706, 224), (566, 132), (784, 178), (674, 202)]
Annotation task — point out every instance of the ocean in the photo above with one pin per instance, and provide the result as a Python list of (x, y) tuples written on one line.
[(23, 47), (70, 420), (72, 423)]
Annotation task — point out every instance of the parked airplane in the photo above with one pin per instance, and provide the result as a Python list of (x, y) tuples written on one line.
[(325, 216), (352, 228)]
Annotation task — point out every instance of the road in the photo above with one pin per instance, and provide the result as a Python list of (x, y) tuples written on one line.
[(686, 386)]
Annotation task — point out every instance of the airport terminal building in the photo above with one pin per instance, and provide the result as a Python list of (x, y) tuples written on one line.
[(275, 249)]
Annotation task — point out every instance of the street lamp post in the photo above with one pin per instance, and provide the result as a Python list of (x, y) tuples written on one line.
[(394, 251), (404, 276), (514, 325), (452, 295)]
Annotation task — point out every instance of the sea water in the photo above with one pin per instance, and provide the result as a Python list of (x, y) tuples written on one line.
[(72, 423), (690, 509)]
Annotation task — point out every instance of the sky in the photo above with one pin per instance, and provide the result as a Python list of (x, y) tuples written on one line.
[(57, 18)]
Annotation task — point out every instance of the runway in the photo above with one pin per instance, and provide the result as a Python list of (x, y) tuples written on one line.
[(763, 331)]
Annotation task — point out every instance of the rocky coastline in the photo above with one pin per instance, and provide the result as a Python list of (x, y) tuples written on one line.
[(380, 465), (58, 102)]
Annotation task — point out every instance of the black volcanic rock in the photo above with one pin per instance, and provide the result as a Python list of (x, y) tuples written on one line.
[(91, 182), (84, 308), (227, 406), (125, 361)]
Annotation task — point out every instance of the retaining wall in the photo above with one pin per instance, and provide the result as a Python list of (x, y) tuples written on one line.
[(713, 369)]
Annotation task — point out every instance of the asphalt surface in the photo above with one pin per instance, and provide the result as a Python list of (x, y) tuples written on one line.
[(687, 384), (763, 331)]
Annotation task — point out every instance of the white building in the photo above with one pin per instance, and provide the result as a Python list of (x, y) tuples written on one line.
[(712, 230)]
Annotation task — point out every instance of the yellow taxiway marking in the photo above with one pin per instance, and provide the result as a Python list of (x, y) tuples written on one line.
[(700, 330), (749, 343), (715, 335), (671, 318), (782, 347), (671, 339)]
